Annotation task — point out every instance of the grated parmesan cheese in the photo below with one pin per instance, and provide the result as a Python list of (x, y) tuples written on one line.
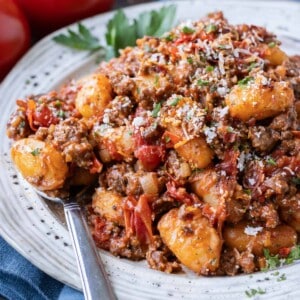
[(210, 133), (253, 231)]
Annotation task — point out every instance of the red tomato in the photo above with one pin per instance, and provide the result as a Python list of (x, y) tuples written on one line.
[(48, 15), (150, 156), (14, 35), (44, 117)]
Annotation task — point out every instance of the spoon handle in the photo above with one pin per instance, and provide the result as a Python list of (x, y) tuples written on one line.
[(95, 282)]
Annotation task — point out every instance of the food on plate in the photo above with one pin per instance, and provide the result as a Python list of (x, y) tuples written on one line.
[(193, 141)]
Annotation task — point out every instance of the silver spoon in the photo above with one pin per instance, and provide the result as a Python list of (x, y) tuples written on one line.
[(95, 282)]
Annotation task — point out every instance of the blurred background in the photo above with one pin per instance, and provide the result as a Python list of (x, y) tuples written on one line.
[(24, 22)]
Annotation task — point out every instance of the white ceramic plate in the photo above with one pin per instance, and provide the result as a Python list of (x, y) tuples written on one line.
[(30, 227)]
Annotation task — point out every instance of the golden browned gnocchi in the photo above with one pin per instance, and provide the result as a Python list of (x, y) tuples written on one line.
[(205, 186), (94, 95), (275, 56), (196, 152), (39, 163), (114, 143), (109, 205), (259, 100), (243, 236), (191, 238)]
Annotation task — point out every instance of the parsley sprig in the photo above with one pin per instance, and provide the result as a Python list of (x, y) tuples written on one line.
[(81, 40), (121, 31)]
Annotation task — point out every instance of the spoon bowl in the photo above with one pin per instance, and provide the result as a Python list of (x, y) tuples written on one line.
[(95, 282)]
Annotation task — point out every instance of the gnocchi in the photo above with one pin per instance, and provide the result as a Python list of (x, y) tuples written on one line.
[(259, 101), (40, 163), (94, 95), (191, 238)]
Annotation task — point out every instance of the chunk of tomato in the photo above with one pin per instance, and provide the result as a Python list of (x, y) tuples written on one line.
[(150, 156)]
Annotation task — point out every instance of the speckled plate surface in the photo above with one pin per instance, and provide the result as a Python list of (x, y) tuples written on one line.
[(30, 226)]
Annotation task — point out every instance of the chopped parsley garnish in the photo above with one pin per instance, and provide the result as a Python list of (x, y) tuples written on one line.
[(209, 68), (282, 277), (201, 82), (58, 103), (230, 129), (156, 110), (271, 161), (156, 80), (272, 261), (247, 191), (272, 45), (175, 101), (36, 151), (253, 292), (190, 60), (293, 255), (252, 66), (187, 30), (169, 38), (213, 88), (61, 113), (210, 28), (245, 81), (167, 139), (223, 47)]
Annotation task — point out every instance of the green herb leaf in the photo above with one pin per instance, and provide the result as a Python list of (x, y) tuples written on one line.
[(58, 103), (61, 113), (271, 161), (247, 191), (209, 68), (272, 45), (175, 101), (245, 81), (36, 151), (156, 110), (121, 32), (201, 82), (81, 40), (210, 28), (282, 277), (156, 80), (155, 23), (167, 139), (230, 129), (252, 292), (272, 262), (190, 60), (293, 255), (224, 47), (252, 66), (187, 30)]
